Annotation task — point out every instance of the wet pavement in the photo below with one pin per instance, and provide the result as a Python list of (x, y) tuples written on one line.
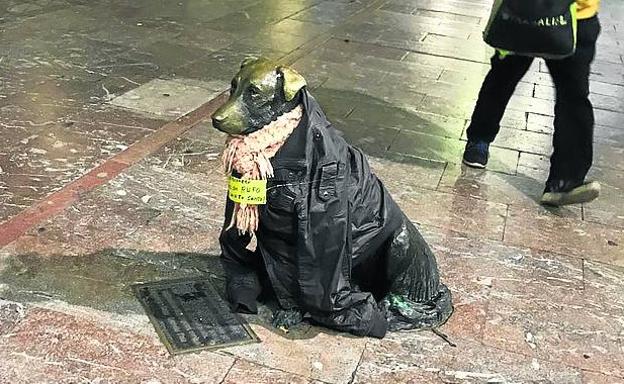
[(109, 176)]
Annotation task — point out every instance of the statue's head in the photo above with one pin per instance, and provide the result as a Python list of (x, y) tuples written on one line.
[(260, 92)]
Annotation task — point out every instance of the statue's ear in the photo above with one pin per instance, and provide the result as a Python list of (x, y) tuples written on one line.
[(293, 82), (248, 60)]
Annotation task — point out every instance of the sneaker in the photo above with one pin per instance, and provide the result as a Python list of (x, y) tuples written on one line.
[(476, 154), (583, 193)]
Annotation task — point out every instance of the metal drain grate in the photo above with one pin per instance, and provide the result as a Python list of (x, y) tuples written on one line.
[(189, 315)]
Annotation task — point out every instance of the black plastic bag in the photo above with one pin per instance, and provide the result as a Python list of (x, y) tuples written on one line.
[(536, 28)]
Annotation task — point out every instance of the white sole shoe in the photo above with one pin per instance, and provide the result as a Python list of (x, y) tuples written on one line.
[(473, 165), (581, 194)]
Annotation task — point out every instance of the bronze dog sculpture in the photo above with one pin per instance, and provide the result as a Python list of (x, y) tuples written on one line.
[(319, 229)]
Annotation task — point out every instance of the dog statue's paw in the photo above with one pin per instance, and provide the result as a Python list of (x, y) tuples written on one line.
[(286, 318)]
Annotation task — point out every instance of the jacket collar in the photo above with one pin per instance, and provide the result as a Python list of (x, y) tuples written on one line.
[(299, 145)]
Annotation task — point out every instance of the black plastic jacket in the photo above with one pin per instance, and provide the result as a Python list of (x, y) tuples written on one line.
[(325, 211)]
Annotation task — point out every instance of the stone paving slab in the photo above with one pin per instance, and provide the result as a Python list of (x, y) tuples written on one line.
[(562, 232), (242, 370), (169, 99), (315, 353), (424, 356), (49, 346)]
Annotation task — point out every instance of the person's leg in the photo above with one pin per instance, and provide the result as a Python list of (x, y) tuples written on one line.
[(497, 89), (574, 122)]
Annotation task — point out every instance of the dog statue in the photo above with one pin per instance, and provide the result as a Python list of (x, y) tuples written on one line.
[(307, 218)]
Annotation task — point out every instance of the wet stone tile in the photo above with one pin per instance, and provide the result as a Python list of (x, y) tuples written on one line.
[(603, 287), (456, 8), (597, 378), (43, 279), (205, 132), (581, 334), (544, 92), (331, 13), (372, 373), (457, 48), (185, 204), (201, 36), (337, 45), (423, 354), (540, 123), (609, 103), (171, 233), (477, 269), (337, 104), (168, 98), (44, 159), (563, 231), (170, 56), (514, 119), (441, 149), (406, 174), (405, 119), (298, 28), (609, 157), (475, 218), (415, 25), (428, 146), (17, 9), (445, 106), (276, 41), (109, 114), (316, 353), (50, 346), (374, 141), (381, 92), (96, 218), (608, 136), (186, 154), (532, 105), (396, 69), (491, 186), (609, 204), (246, 372), (609, 118), (534, 161), (606, 89)]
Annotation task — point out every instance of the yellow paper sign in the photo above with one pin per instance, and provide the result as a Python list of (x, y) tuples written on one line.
[(252, 192)]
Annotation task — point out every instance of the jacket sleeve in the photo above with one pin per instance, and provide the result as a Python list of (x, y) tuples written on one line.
[(324, 257), (241, 268)]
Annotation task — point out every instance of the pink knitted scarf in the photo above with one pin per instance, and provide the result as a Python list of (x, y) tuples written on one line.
[(250, 155)]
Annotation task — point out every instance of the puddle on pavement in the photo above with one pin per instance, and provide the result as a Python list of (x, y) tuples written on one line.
[(101, 280)]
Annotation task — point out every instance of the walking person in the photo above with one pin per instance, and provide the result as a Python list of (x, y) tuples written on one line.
[(574, 116)]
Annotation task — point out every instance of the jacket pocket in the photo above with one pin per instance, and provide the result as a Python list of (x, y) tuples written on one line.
[(284, 188)]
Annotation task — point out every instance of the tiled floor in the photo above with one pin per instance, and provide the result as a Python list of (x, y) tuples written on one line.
[(100, 188)]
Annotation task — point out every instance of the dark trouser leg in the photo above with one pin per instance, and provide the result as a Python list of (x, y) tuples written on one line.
[(497, 89), (574, 116)]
